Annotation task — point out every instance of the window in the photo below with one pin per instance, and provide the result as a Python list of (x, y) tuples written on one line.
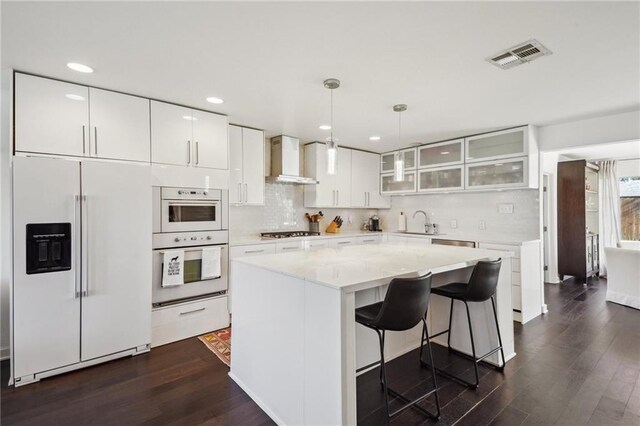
[(630, 207)]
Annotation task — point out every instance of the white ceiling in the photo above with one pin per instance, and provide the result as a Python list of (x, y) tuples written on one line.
[(611, 151), (268, 61)]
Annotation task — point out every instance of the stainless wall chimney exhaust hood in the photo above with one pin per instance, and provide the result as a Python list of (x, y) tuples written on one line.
[(285, 161)]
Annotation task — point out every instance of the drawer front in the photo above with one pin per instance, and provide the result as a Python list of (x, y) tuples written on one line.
[(516, 297), (289, 246), (502, 247), (515, 278), (316, 244), (252, 250), (515, 264), (342, 242), (173, 323), (371, 239), (420, 241)]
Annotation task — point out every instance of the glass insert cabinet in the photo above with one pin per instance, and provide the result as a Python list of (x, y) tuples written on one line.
[(502, 174), (441, 154), (503, 144), (389, 186), (387, 160), (441, 179)]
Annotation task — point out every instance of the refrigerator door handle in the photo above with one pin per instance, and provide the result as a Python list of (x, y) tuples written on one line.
[(77, 257), (85, 248)]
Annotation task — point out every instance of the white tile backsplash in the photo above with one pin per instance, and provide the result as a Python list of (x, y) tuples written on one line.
[(469, 211), (283, 210)]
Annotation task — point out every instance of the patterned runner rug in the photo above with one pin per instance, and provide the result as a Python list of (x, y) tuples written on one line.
[(219, 342)]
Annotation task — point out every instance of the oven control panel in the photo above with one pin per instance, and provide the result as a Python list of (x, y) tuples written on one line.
[(187, 239)]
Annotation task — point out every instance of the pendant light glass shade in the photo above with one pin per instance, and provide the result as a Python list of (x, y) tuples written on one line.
[(332, 143), (398, 167), (332, 157), (398, 157)]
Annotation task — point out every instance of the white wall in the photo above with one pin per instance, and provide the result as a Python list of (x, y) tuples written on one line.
[(629, 167), (609, 128), (549, 165), (5, 210), (468, 209)]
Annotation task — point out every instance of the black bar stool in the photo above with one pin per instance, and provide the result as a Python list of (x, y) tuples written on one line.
[(481, 287), (404, 306)]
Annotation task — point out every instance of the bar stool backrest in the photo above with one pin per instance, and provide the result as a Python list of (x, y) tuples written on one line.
[(483, 281), (405, 304)]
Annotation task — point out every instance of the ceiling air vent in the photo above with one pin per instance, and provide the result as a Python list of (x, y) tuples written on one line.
[(519, 54)]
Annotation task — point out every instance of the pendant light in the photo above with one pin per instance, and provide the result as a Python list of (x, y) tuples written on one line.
[(398, 157), (332, 143)]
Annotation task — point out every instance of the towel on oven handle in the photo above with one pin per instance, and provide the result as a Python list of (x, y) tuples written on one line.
[(211, 262), (173, 268)]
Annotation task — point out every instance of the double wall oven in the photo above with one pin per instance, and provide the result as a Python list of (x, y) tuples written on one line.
[(189, 219)]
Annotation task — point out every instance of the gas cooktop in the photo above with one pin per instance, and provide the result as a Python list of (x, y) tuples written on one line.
[(287, 234)]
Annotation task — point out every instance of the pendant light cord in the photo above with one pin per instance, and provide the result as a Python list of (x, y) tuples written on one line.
[(331, 116)]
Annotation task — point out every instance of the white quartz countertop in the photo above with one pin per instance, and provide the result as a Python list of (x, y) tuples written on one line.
[(353, 268), (489, 238)]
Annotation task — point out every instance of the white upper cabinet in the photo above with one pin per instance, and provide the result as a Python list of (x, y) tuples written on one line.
[(119, 126), (211, 146), (436, 179), (186, 137), (387, 162), (60, 118), (171, 134), (389, 186), (246, 159), (332, 190), (503, 144), (441, 154), (365, 190), (51, 116), (503, 174), (236, 196)]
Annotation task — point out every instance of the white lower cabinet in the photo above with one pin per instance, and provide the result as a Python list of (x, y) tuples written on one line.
[(316, 244), (370, 239), (244, 251), (342, 242), (526, 278), (286, 247), (190, 319)]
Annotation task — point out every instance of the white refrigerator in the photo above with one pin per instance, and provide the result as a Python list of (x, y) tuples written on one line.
[(82, 264)]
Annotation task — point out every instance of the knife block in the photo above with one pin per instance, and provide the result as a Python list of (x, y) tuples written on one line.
[(332, 228)]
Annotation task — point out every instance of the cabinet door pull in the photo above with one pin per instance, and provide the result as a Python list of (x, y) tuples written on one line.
[(84, 144), (246, 190), (188, 152), (197, 154), (337, 197), (253, 251), (95, 142), (239, 192), (344, 242), (289, 248), (192, 312)]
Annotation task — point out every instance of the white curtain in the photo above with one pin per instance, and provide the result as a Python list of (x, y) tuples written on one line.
[(610, 212)]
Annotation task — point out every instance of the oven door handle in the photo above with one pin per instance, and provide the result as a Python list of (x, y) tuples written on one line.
[(194, 203)]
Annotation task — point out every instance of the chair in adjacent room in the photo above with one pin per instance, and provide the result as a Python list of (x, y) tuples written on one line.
[(404, 306), (481, 287)]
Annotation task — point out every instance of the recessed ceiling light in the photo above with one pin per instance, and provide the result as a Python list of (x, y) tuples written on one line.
[(324, 127), (80, 67), (374, 138), (445, 152), (74, 97), (189, 118), (214, 100)]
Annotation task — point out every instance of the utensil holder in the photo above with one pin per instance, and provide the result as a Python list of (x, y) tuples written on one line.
[(314, 227), (332, 228)]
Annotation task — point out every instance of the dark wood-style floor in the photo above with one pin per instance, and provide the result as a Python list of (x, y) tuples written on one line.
[(579, 364)]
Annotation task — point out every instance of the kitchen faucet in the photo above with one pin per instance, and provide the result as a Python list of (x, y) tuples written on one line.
[(429, 228)]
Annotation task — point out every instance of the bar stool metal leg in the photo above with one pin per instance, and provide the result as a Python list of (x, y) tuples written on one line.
[(383, 375), (495, 315), (473, 348)]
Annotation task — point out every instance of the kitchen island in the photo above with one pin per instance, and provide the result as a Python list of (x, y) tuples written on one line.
[(296, 346)]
